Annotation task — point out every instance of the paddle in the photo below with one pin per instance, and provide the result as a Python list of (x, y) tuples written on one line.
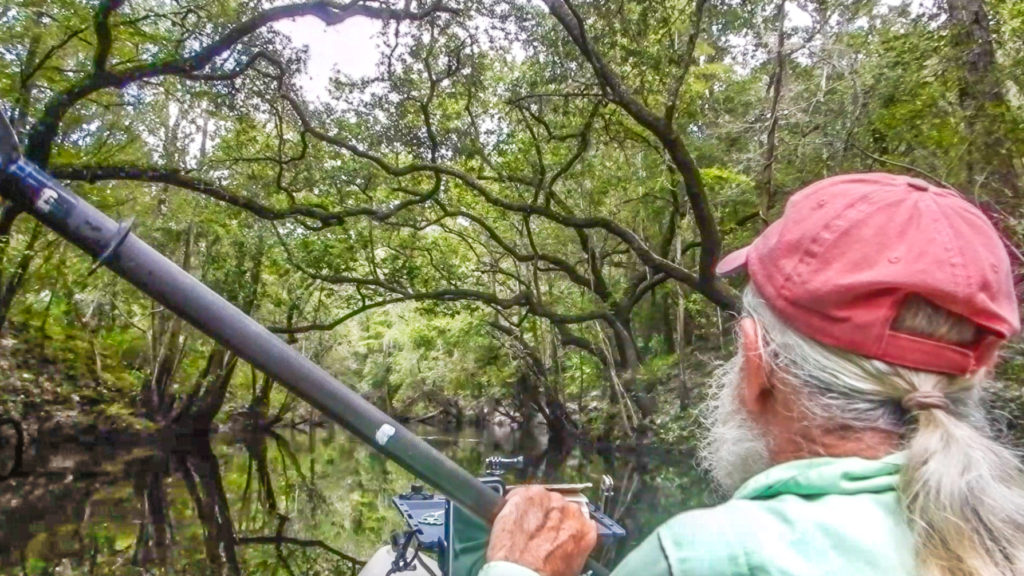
[(114, 246)]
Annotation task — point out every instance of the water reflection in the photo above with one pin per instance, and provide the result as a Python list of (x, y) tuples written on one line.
[(312, 502), (193, 462)]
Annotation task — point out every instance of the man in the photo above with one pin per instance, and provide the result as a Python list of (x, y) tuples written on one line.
[(850, 425)]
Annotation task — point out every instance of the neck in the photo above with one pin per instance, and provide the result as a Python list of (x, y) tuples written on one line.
[(814, 442)]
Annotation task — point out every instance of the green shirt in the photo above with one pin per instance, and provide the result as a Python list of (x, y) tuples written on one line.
[(822, 516)]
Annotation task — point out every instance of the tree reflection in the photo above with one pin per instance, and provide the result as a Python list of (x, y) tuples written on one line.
[(193, 463), (294, 555), (281, 543), (155, 530), (258, 470), (298, 502), (201, 472), (191, 460)]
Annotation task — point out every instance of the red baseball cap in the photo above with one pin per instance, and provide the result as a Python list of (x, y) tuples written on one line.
[(849, 250)]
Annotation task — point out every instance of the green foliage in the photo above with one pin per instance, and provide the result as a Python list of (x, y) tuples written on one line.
[(484, 218), (408, 354)]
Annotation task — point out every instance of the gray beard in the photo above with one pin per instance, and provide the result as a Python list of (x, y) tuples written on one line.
[(733, 448)]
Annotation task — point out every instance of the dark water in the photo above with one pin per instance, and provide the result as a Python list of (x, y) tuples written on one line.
[(315, 502)]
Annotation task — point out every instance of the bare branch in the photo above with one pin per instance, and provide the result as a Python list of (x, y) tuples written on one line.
[(766, 180), (183, 180), (27, 75), (559, 263), (903, 165), (328, 326)]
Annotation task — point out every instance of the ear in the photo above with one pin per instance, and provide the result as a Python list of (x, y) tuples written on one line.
[(757, 389), (993, 348)]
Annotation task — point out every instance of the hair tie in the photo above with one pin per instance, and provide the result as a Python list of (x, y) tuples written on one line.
[(920, 400)]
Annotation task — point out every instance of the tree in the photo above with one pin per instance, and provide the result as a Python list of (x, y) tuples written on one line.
[(991, 155)]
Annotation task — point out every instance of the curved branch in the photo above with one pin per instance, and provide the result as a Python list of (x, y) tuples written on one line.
[(236, 72), (905, 166), (559, 263), (328, 326), (570, 338), (583, 143), (617, 93), (523, 299), (27, 75), (183, 180), (637, 290)]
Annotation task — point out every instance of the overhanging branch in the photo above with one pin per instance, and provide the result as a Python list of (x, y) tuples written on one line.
[(617, 92), (714, 290), (185, 181)]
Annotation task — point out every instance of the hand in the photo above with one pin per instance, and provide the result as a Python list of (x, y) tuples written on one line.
[(542, 531)]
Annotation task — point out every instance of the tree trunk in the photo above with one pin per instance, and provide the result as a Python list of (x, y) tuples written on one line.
[(214, 390), (166, 349), (256, 447), (19, 447), (628, 366), (668, 325), (990, 154), (766, 179), (14, 279)]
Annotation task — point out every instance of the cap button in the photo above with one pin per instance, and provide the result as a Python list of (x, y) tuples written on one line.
[(918, 184)]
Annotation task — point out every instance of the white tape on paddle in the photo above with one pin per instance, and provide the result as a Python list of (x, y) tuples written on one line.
[(384, 433)]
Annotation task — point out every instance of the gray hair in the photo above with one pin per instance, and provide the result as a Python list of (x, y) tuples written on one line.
[(963, 492)]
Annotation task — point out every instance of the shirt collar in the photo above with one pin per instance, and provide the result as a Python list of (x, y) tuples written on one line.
[(820, 476)]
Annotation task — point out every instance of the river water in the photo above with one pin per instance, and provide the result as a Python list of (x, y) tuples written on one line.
[(297, 502)]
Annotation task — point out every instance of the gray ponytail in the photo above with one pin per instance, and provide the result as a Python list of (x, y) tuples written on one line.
[(963, 492)]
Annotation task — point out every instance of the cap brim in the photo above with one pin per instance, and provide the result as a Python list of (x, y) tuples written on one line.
[(733, 263)]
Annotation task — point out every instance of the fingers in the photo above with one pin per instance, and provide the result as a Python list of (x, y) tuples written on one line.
[(586, 528), (590, 536), (526, 505), (530, 493), (525, 500), (537, 499), (543, 531)]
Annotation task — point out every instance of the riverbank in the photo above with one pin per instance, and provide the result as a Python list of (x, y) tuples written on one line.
[(58, 393), (60, 403), (58, 398)]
